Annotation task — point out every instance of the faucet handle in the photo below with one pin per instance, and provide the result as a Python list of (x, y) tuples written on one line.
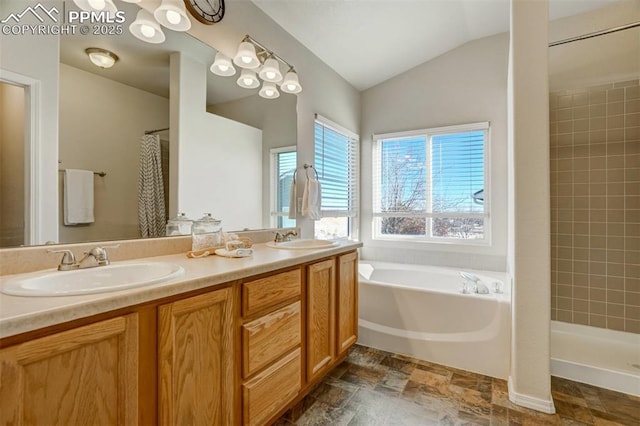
[(68, 259)]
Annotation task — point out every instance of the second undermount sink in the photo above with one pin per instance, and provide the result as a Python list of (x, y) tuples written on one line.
[(100, 279), (303, 244)]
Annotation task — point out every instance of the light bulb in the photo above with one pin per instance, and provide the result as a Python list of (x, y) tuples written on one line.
[(269, 92), (147, 31), (247, 81), (97, 4), (223, 67), (173, 17), (291, 86), (271, 75), (246, 59)]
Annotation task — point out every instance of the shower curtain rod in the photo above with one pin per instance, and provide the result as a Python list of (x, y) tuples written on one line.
[(595, 34), (150, 132)]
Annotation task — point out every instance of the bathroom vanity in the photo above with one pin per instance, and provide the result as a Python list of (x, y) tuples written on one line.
[(232, 341)]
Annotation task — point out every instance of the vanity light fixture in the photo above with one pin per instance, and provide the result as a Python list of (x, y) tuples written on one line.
[(271, 70), (291, 84), (222, 65), (269, 90), (248, 79), (173, 15), (101, 57), (146, 28), (252, 56), (97, 6), (246, 56)]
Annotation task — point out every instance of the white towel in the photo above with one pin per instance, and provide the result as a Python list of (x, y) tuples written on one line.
[(293, 202), (78, 197), (312, 199)]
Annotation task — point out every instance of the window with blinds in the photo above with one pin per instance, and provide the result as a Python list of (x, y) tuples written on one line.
[(432, 184), (283, 166), (336, 161)]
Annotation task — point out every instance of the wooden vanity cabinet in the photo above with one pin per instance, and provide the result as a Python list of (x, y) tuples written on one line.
[(271, 338), (195, 360), (241, 353), (84, 375)]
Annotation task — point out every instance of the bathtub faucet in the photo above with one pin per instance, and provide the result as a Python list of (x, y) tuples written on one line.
[(473, 284)]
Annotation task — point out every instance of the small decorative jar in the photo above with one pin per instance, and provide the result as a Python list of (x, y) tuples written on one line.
[(179, 225), (206, 233)]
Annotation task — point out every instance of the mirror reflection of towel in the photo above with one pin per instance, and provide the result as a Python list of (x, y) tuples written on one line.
[(78, 197), (312, 199)]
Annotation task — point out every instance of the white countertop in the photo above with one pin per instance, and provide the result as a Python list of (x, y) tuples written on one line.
[(22, 314)]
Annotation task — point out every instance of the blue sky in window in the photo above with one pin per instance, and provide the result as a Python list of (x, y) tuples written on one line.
[(457, 172)]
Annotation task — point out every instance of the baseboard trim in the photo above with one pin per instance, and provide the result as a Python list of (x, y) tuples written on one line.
[(543, 405)]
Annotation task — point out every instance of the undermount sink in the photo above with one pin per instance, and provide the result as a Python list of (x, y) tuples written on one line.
[(100, 279), (302, 244)]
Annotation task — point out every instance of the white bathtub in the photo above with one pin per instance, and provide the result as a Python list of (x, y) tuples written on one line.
[(419, 311), (605, 358)]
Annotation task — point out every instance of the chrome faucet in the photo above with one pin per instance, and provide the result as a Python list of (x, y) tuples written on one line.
[(279, 238), (473, 284), (97, 256)]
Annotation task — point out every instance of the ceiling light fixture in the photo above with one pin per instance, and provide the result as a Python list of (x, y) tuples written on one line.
[(173, 15), (252, 55), (222, 65), (146, 28), (101, 57)]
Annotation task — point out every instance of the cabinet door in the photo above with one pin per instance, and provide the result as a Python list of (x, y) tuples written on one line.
[(87, 375), (320, 317), (195, 359), (347, 301)]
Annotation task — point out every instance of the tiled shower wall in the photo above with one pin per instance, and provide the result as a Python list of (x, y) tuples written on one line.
[(595, 206)]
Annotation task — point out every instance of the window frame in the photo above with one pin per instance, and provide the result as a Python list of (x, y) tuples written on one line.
[(274, 214), (353, 217), (428, 134)]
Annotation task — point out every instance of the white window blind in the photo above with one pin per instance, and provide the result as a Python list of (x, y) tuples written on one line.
[(336, 161), (283, 166), (432, 184)]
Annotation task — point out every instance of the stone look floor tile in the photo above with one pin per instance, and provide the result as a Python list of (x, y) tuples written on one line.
[(377, 388)]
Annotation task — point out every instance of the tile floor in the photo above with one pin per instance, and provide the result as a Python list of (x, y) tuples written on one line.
[(373, 387)]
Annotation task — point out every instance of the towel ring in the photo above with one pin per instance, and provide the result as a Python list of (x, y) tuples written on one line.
[(306, 168)]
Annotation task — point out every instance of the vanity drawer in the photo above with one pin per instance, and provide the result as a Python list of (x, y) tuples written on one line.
[(272, 389), (269, 337), (269, 291)]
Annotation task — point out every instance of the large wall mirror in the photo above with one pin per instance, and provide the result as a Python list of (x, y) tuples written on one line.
[(223, 147)]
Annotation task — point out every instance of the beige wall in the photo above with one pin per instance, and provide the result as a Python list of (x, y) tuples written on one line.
[(465, 85), (12, 145), (88, 141), (595, 206)]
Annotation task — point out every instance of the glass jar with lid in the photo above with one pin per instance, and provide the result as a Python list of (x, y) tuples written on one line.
[(206, 232), (179, 225)]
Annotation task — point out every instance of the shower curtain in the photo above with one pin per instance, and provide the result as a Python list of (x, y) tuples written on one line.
[(151, 208)]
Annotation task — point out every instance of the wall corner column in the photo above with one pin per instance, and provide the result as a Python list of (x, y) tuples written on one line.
[(529, 260)]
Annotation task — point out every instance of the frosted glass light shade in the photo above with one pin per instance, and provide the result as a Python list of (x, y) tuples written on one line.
[(291, 84), (146, 28), (222, 65), (248, 79), (246, 56), (97, 6), (269, 90), (101, 57), (271, 71), (173, 15)]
